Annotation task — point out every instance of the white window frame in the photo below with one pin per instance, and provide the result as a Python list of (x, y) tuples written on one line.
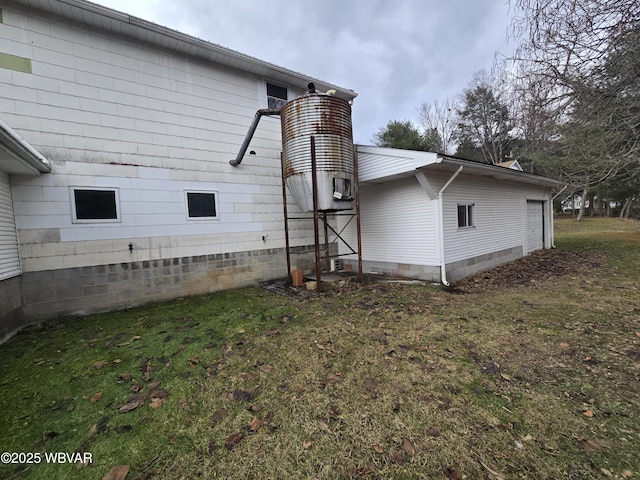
[(267, 96), (215, 203), (470, 211), (74, 213)]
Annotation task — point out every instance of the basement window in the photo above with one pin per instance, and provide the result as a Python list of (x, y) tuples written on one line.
[(276, 96), (201, 205), (95, 205), (466, 215)]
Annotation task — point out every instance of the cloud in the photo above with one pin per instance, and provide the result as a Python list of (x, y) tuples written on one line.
[(396, 55)]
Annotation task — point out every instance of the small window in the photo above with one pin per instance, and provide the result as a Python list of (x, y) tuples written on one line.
[(276, 96), (95, 205), (202, 205), (466, 216)]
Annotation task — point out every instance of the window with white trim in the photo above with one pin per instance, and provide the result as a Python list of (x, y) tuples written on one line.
[(95, 205), (466, 215), (277, 95), (201, 205)]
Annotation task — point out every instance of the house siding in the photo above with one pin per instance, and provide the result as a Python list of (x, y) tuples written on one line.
[(500, 216), (397, 221), (111, 112), (9, 256), (400, 233)]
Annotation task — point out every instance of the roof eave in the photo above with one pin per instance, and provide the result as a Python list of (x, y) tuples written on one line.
[(18, 156), (500, 173)]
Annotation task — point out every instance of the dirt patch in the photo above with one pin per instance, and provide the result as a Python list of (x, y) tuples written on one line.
[(540, 266)]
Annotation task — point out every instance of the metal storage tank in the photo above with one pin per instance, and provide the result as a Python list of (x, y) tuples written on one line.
[(328, 120)]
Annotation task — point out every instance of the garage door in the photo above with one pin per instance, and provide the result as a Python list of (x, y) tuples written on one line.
[(535, 225), (9, 256)]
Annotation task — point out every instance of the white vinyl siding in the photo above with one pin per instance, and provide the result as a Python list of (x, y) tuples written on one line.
[(397, 221), (500, 217), (9, 255)]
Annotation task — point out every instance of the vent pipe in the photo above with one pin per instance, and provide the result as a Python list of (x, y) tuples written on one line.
[(252, 129)]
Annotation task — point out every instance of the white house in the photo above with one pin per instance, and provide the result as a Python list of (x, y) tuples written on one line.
[(435, 217), (115, 182)]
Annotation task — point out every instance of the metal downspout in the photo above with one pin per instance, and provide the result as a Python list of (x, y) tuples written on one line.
[(443, 269), (553, 236), (252, 129)]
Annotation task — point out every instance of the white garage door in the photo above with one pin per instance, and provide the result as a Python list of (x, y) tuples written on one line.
[(9, 256), (535, 225)]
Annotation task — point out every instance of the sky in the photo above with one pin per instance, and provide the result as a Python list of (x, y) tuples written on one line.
[(396, 54)]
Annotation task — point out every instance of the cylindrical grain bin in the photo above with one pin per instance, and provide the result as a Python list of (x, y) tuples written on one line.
[(328, 120)]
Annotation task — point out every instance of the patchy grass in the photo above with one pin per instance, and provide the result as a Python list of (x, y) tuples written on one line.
[(529, 371)]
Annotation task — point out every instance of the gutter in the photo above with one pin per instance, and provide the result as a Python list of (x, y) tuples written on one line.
[(23, 151), (443, 269)]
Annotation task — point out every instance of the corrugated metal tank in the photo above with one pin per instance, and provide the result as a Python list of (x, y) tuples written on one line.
[(328, 120)]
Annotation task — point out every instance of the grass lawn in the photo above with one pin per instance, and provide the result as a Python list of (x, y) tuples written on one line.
[(528, 371)]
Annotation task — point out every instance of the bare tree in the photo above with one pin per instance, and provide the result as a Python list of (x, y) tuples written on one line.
[(441, 117), (585, 57)]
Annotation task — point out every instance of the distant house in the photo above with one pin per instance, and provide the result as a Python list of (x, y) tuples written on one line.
[(440, 218), (115, 183), (512, 164)]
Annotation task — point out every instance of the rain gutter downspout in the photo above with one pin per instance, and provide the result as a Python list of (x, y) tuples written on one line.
[(553, 237), (252, 129), (443, 269)]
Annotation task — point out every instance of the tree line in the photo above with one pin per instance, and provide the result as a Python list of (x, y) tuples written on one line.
[(565, 105)]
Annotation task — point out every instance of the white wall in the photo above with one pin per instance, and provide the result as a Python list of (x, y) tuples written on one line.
[(110, 112), (500, 216), (397, 221)]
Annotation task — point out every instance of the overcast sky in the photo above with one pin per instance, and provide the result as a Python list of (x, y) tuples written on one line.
[(396, 54)]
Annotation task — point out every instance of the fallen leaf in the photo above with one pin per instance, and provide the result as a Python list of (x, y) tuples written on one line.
[(156, 402), (96, 397), (154, 385), (132, 405), (254, 425), (218, 416), (233, 440), (242, 395), (606, 472), (588, 413), (408, 447), (119, 472), (99, 364), (307, 445), (160, 393), (433, 431), (527, 438), (564, 345), (595, 445), (377, 448), (398, 457), (505, 377), (627, 473)]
